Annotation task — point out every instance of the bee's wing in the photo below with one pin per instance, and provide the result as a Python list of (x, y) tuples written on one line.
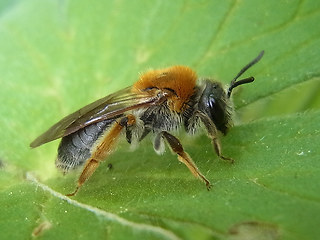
[(108, 107)]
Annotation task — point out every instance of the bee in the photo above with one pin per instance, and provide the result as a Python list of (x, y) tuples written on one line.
[(159, 103)]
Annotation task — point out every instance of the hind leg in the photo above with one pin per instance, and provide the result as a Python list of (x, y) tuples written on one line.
[(103, 149)]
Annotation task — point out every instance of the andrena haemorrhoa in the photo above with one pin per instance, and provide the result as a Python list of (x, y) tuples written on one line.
[(160, 102)]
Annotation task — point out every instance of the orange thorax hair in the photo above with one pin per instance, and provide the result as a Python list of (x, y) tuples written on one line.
[(180, 79)]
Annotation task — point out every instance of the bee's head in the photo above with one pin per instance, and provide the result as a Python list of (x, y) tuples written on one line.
[(215, 101)]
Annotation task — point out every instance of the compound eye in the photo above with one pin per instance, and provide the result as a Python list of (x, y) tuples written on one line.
[(211, 101)]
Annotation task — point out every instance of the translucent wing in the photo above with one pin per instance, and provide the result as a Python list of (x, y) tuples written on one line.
[(108, 107)]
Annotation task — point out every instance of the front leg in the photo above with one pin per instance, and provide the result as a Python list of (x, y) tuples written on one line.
[(183, 157), (213, 134)]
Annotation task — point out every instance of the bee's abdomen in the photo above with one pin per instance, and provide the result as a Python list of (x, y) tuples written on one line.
[(75, 148)]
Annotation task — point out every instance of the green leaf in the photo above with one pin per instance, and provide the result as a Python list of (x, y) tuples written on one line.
[(57, 56)]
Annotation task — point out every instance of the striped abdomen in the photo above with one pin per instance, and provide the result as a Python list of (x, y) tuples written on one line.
[(75, 148)]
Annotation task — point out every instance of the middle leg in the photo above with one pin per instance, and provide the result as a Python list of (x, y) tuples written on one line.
[(183, 157)]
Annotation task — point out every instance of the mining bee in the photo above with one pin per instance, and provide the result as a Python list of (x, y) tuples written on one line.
[(160, 102)]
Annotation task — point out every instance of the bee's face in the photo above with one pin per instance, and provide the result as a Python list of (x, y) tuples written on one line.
[(215, 104)]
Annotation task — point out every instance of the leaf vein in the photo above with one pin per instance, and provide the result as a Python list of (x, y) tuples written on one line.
[(106, 215), (270, 188), (215, 37)]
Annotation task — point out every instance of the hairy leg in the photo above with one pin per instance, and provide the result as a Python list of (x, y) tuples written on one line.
[(103, 149)]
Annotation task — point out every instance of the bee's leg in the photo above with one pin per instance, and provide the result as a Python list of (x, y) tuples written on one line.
[(103, 149), (213, 134), (184, 157)]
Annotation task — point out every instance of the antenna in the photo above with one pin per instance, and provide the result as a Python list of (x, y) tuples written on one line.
[(234, 83)]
